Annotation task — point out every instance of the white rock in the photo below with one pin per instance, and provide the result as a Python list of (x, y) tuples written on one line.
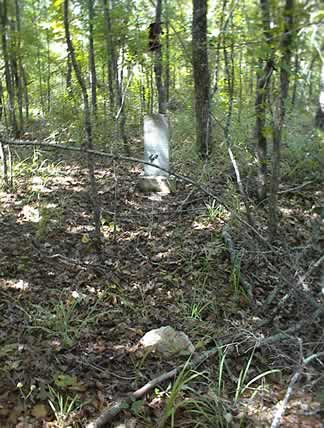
[(167, 342)]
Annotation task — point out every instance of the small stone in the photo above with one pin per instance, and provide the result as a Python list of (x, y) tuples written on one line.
[(167, 342)]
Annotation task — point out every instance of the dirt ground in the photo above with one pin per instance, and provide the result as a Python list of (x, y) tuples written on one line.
[(71, 319)]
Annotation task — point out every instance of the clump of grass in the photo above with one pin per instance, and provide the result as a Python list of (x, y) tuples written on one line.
[(63, 320), (63, 406), (224, 395)]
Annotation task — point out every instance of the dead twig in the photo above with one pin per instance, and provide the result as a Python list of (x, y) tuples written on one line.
[(293, 189), (281, 410), (106, 417), (113, 411), (297, 287), (135, 160)]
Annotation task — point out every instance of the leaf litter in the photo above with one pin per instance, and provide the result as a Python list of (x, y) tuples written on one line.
[(70, 320)]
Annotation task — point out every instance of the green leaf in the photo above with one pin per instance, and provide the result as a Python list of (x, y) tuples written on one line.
[(137, 406), (65, 380)]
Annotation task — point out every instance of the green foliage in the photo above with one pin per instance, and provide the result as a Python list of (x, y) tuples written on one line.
[(235, 276), (216, 408), (63, 320), (35, 166), (214, 210), (303, 153), (175, 399), (63, 405)]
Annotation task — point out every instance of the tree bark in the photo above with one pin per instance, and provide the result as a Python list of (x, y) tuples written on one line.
[(167, 56), (262, 95), (18, 63), (25, 91), (115, 81), (296, 70), (158, 67), (87, 127), (222, 29), (201, 77), (319, 118), (279, 115), (92, 62), (69, 75), (8, 71), (48, 76), (110, 52)]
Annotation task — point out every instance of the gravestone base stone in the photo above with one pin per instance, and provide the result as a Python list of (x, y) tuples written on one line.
[(156, 152), (149, 184)]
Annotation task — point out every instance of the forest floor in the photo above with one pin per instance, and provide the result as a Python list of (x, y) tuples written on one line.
[(70, 320)]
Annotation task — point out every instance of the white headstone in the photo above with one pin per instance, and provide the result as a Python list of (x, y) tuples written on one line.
[(156, 145)]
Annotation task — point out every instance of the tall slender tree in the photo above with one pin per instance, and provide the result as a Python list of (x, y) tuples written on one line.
[(158, 67), (201, 77), (92, 62), (18, 66), (87, 126), (110, 54), (7, 66), (264, 73), (280, 112), (319, 118)]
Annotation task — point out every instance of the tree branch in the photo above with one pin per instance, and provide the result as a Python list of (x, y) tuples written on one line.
[(135, 160)]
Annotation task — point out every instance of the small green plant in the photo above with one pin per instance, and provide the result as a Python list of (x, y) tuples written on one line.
[(235, 276), (209, 411), (215, 408), (63, 406), (243, 384), (64, 321), (38, 171), (194, 310), (174, 395), (35, 165), (214, 210)]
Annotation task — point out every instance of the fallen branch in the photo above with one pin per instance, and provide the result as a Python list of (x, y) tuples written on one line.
[(105, 418), (279, 413), (283, 335), (113, 411), (293, 189), (297, 287), (143, 162)]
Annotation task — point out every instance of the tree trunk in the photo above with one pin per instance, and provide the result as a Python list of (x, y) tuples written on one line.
[(158, 68), (48, 77), (121, 114), (294, 89), (230, 79), (18, 62), (92, 63), (110, 52), (167, 56), (201, 77), (319, 118), (25, 91), (68, 75), (4, 167), (222, 29), (1, 100), (262, 95), (8, 70), (279, 116), (87, 127)]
